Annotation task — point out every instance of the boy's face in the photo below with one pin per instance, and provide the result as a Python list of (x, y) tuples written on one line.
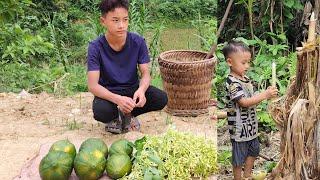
[(239, 63), (116, 22)]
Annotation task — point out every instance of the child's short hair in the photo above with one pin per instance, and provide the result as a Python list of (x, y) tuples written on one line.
[(234, 46), (109, 5)]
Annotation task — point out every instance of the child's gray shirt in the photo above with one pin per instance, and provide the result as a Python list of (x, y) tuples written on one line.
[(242, 122)]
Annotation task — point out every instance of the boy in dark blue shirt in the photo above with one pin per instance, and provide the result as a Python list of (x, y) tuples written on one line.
[(113, 59)]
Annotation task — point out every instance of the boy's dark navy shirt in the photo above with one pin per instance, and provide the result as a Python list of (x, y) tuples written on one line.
[(118, 69)]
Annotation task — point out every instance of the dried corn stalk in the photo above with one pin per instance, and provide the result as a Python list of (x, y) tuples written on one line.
[(297, 116)]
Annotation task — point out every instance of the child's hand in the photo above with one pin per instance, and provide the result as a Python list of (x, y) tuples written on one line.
[(271, 92), (219, 114), (214, 117)]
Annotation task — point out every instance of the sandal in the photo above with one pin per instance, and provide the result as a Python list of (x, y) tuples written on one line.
[(131, 123), (123, 124), (125, 119), (114, 127), (119, 125), (135, 124)]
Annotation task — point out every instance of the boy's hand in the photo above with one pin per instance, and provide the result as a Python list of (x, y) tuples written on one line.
[(139, 98), (126, 104), (271, 92)]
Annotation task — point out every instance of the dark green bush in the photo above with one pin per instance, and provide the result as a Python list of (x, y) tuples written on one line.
[(181, 9)]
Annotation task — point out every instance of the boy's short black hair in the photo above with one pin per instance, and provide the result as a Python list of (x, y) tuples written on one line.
[(109, 5), (234, 46)]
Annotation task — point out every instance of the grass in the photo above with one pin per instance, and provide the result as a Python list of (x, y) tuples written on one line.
[(157, 81), (224, 157), (222, 122), (48, 78), (180, 38), (73, 125), (168, 120), (174, 38), (177, 38)]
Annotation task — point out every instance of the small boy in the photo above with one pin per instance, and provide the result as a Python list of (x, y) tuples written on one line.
[(242, 118)]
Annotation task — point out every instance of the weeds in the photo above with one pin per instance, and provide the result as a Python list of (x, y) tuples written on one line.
[(43, 78), (168, 120), (73, 125), (224, 157), (221, 123), (46, 122)]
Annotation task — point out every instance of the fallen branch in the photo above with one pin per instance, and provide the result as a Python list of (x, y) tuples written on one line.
[(266, 157), (52, 82)]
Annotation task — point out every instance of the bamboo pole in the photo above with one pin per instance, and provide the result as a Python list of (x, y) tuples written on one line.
[(225, 16)]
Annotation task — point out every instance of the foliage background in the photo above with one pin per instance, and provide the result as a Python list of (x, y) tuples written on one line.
[(42, 41), (43, 44)]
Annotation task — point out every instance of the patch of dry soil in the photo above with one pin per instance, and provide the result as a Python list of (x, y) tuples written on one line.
[(30, 121)]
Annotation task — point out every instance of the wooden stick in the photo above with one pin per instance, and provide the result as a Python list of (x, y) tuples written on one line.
[(214, 46), (266, 158), (52, 82), (318, 73)]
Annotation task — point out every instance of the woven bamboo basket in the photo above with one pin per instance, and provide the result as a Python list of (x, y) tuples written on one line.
[(187, 79)]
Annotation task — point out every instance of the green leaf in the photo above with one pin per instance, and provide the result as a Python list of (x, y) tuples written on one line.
[(247, 41), (139, 143), (25, 50), (155, 159), (4, 55), (269, 166), (32, 52), (12, 55), (288, 14), (297, 5), (282, 37), (156, 177), (147, 175), (154, 171), (288, 3)]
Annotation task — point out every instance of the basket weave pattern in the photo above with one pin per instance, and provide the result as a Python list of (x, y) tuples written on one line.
[(187, 79)]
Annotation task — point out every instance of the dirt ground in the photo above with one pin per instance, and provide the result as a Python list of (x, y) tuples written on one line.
[(29, 121)]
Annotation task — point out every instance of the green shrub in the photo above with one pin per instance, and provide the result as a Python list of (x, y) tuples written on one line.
[(52, 79), (181, 9)]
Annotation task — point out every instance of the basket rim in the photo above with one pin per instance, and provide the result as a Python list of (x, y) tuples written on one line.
[(214, 58)]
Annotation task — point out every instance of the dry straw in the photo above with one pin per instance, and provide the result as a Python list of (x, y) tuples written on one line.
[(297, 117)]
